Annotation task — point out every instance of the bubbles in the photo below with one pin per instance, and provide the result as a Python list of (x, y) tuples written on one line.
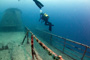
[(40, 11)]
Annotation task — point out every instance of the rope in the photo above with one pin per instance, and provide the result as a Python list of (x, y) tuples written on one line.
[(55, 56), (50, 52)]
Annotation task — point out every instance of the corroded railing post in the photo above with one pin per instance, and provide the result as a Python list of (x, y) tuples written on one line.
[(84, 53), (64, 45), (54, 55), (51, 39), (32, 47), (24, 38), (27, 38)]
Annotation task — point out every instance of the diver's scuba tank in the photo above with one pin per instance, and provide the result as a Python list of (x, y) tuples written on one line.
[(46, 15)]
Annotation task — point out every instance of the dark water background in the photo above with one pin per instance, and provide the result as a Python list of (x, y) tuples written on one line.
[(71, 18)]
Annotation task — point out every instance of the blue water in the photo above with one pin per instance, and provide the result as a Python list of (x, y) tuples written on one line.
[(71, 18)]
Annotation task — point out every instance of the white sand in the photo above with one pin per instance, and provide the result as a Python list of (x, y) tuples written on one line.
[(16, 51)]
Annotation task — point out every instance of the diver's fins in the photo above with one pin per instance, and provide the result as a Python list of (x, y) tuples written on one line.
[(39, 4)]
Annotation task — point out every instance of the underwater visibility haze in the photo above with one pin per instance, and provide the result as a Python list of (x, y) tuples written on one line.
[(71, 18)]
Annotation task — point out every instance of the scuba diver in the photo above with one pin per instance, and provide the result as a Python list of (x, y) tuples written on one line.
[(44, 17), (39, 4)]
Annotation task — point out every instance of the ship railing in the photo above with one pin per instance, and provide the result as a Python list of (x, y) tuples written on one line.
[(70, 47), (49, 51)]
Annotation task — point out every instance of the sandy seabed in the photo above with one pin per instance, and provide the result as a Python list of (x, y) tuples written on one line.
[(15, 50)]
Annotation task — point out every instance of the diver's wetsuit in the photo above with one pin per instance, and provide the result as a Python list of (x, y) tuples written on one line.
[(39, 4), (44, 18), (50, 26)]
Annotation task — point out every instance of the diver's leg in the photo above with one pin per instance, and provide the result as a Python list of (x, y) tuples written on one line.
[(50, 28), (46, 23)]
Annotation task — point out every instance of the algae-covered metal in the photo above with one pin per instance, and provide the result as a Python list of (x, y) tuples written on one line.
[(11, 20)]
